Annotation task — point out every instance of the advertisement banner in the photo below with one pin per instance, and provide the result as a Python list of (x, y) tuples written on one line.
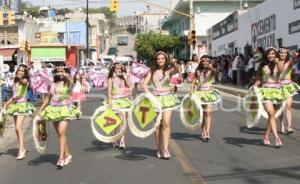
[(49, 37), (51, 54), (263, 32)]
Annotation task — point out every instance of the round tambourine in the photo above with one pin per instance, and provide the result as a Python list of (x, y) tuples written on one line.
[(191, 112), (253, 107), (111, 124), (40, 134), (278, 112), (3, 119), (144, 115)]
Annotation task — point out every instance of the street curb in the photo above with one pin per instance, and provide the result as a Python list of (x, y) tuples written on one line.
[(243, 94)]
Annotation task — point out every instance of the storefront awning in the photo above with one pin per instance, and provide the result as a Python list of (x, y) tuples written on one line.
[(48, 54), (8, 53)]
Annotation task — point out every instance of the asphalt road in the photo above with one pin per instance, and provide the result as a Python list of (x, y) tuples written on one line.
[(234, 155)]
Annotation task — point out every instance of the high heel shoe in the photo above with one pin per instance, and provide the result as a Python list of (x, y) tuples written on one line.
[(290, 131), (60, 163), (158, 154), (68, 160), (21, 155), (278, 142), (122, 145), (266, 140), (166, 155)]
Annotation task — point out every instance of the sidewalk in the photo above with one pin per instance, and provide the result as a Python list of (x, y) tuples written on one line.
[(231, 89)]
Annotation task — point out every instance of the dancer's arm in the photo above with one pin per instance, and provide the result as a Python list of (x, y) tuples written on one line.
[(45, 103), (146, 82)]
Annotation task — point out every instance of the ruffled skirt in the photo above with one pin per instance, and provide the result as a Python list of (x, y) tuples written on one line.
[(208, 96), (168, 102), (123, 104), (22, 108), (274, 95), (290, 89), (60, 113)]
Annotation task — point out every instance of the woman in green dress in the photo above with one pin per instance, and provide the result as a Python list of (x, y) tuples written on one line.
[(289, 88), (19, 107), (58, 108), (270, 90), (160, 76), (202, 88)]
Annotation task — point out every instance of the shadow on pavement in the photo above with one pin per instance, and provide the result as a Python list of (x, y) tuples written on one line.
[(254, 130), (257, 176), (241, 142), (99, 146), (12, 152), (186, 136), (136, 154), (49, 158)]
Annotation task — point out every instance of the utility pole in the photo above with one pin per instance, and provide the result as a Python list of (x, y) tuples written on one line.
[(87, 29), (241, 4)]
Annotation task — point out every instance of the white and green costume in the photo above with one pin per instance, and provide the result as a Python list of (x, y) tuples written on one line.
[(289, 88), (270, 89), (61, 106), (20, 104), (120, 94), (205, 91), (162, 90)]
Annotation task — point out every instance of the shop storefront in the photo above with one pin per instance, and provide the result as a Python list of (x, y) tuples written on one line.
[(9, 56), (48, 54)]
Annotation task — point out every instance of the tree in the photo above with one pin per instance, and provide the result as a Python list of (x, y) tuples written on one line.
[(148, 44), (30, 9), (108, 14)]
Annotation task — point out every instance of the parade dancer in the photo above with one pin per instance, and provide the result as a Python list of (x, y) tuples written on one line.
[(270, 91), (191, 67), (202, 88), (118, 95), (289, 88), (160, 75), (78, 91), (176, 79), (18, 106), (60, 111)]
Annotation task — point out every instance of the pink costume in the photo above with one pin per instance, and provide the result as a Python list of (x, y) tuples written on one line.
[(138, 72)]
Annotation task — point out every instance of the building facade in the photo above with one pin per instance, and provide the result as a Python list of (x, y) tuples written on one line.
[(206, 13), (272, 23)]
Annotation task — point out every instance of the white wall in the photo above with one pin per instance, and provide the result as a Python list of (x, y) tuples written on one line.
[(284, 12), (206, 20)]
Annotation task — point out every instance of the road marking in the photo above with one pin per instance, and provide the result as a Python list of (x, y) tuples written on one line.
[(186, 165)]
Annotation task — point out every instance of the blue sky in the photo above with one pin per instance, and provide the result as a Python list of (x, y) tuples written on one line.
[(127, 7)]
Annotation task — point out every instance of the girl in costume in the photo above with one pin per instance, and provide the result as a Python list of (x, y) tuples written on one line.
[(202, 87), (191, 67), (289, 88), (118, 94), (19, 107), (270, 90), (78, 90), (176, 79), (160, 76), (58, 108)]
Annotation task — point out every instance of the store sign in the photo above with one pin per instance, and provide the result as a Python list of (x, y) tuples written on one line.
[(296, 4), (49, 38), (51, 54), (226, 26), (263, 32), (294, 27)]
